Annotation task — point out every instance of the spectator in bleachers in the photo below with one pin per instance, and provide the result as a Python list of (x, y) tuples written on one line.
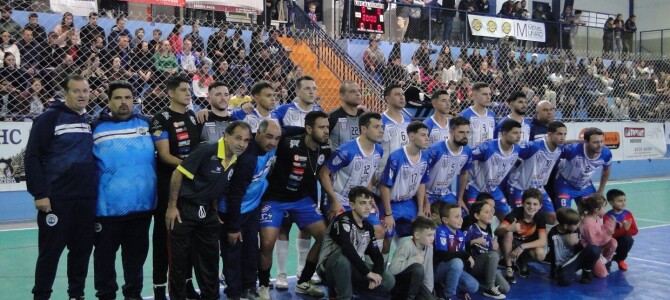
[(285, 60), (463, 89), (521, 12), (423, 54), (196, 39), (116, 71), (18, 76), (156, 98), (165, 63), (277, 75), (8, 24), (139, 37), (373, 59), (475, 59), (414, 67), (200, 84), (175, 38), (33, 100), (463, 7), (448, 14), (444, 57), (9, 46), (468, 71), (402, 13), (223, 73), (187, 59), (629, 34), (235, 44), (39, 33), (619, 109), (121, 50), (622, 86), (8, 99), (567, 22), (90, 31), (276, 48), (291, 80), (507, 9), (60, 72), (117, 31), (599, 109), (394, 72), (30, 51), (96, 46), (256, 42), (539, 14), (155, 42), (141, 62), (93, 72), (52, 55), (241, 96), (484, 74), (608, 35), (67, 31), (262, 65), (454, 72), (216, 46), (619, 28)]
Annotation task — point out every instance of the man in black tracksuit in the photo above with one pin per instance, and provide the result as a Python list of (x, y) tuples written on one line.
[(191, 215), (61, 175)]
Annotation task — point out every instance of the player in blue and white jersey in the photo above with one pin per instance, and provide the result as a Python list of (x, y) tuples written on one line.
[(518, 107), (354, 164), (492, 161), (482, 119), (438, 123), (581, 162), (394, 122), (448, 159), (403, 180), (535, 170), (293, 114), (264, 96)]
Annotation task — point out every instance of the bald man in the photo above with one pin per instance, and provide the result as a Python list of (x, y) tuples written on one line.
[(543, 116)]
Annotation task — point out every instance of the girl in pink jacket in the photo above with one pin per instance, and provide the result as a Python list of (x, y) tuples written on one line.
[(597, 231)]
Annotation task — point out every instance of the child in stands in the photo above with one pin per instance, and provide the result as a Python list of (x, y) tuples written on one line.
[(624, 229)]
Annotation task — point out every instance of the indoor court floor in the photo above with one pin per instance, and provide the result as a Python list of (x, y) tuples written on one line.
[(647, 277)]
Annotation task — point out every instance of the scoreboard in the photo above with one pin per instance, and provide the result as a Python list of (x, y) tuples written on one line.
[(368, 17)]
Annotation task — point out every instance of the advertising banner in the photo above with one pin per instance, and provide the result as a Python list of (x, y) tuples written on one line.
[(13, 141)]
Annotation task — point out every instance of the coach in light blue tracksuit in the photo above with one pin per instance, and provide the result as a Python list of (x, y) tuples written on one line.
[(124, 153)]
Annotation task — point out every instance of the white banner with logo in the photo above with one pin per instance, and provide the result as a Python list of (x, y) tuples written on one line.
[(500, 27), (241, 6), (13, 141), (76, 7), (626, 140)]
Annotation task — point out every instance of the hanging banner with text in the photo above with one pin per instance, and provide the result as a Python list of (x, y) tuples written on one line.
[(13, 141), (500, 27), (626, 140), (240, 6), (76, 7)]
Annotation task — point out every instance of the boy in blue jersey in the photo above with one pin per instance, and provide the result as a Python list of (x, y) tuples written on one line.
[(482, 119), (517, 104), (124, 151), (263, 95), (447, 159), (581, 162), (492, 161), (452, 262), (438, 123), (293, 114), (534, 171), (61, 176), (354, 164), (394, 122), (404, 181), (240, 212)]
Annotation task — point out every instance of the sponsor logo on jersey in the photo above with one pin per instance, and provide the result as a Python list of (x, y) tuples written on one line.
[(166, 115), (184, 143), (299, 158), (98, 227), (201, 212), (192, 119), (295, 177), (182, 136), (217, 170), (298, 171), (265, 208), (321, 159), (178, 124), (51, 219), (294, 143), (336, 161), (158, 133), (142, 130)]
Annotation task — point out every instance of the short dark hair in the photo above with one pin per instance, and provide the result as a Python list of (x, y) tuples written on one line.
[(436, 95), (476, 207), (26, 29), (120, 18), (613, 194), (458, 121), (553, 126), (174, 81), (446, 207), (310, 118), (360, 191), (389, 88), (531, 193), (260, 86), (579, 12), (422, 223), (119, 84), (515, 95), (567, 216), (217, 84), (592, 131), (71, 77), (508, 125), (298, 82), (364, 119), (93, 14), (415, 126), (479, 85), (233, 125), (483, 196)]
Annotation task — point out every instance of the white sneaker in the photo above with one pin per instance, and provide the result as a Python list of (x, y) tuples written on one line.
[(222, 280), (307, 288), (282, 282), (264, 292), (315, 279)]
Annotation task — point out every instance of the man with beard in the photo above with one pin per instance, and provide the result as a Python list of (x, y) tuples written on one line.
[(124, 152), (344, 120), (293, 189), (218, 98), (518, 107), (482, 119), (91, 30)]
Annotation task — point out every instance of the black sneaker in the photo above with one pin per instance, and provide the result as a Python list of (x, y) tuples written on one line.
[(250, 294), (191, 294), (494, 293), (523, 268), (586, 277), (159, 293), (509, 275)]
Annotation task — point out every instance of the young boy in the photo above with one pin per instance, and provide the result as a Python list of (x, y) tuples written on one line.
[(450, 258), (625, 226), (412, 262), (524, 234), (483, 246), (349, 238), (566, 253)]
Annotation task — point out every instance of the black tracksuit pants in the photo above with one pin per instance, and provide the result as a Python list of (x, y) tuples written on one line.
[(240, 262)]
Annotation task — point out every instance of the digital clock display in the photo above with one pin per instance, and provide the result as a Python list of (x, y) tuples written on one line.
[(368, 17)]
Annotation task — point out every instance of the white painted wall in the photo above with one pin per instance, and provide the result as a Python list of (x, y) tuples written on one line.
[(652, 14)]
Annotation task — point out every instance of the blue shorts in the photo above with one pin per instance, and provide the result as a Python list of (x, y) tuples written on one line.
[(404, 213), (565, 193), (448, 198), (547, 205), (373, 218), (501, 202), (303, 212)]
